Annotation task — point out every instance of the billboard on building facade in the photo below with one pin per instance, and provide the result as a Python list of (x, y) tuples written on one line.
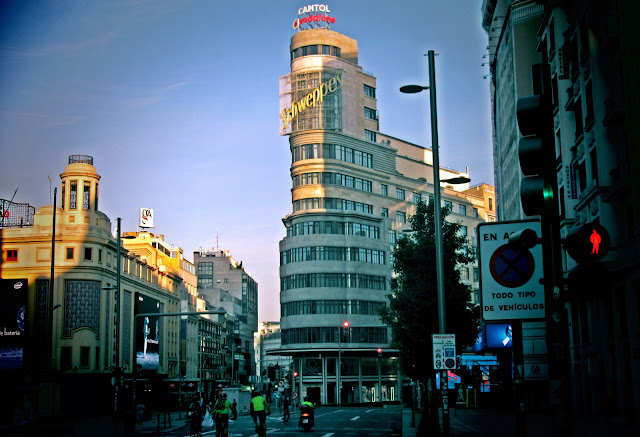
[(147, 333), (13, 294)]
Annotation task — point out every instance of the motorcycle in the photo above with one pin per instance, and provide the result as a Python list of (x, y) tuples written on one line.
[(306, 417)]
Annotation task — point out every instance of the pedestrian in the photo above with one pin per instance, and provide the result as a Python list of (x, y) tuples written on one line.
[(285, 410), (139, 414), (234, 409)]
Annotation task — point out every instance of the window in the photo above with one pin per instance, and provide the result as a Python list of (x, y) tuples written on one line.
[(84, 357), (475, 212), (385, 212), (400, 194), (99, 255), (401, 217), (476, 274), (86, 191), (384, 190), (462, 209), (490, 203), (369, 113), (97, 357), (594, 166), (464, 273), (448, 204), (88, 253), (96, 197), (370, 135), (73, 195), (464, 231), (391, 236), (12, 255), (369, 91), (69, 254), (417, 197), (226, 280), (65, 357)]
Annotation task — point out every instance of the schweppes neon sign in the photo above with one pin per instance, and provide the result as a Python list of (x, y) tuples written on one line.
[(312, 99)]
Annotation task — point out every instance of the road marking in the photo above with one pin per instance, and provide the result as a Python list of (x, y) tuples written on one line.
[(329, 434), (356, 418), (369, 411)]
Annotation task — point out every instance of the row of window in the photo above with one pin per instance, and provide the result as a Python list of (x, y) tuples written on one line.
[(370, 113), (329, 334), (73, 195), (338, 228), (369, 91), (208, 282), (331, 203), (332, 151), (302, 307), (332, 179), (316, 49), (329, 253), (336, 280)]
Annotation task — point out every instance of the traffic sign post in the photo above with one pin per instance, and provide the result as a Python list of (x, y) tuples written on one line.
[(510, 277)]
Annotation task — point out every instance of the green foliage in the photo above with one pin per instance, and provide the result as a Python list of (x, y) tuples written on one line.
[(413, 308)]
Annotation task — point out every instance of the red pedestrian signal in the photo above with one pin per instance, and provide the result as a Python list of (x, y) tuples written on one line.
[(295, 374), (591, 242)]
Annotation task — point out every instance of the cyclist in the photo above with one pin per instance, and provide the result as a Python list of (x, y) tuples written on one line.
[(259, 409), (221, 414)]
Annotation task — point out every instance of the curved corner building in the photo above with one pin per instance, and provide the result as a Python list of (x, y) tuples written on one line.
[(335, 257), (353, 190)]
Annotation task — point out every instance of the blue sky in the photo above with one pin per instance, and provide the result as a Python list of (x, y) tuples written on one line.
[(177, 102)]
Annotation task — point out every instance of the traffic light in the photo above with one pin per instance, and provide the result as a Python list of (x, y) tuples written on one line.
[(295, 374), (590, 242), (379, 352), (536, 153)]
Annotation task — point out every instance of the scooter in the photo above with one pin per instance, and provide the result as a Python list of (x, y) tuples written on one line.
[(306, 417)]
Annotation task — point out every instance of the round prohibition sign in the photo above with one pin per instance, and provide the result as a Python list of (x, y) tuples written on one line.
[(512, 267)]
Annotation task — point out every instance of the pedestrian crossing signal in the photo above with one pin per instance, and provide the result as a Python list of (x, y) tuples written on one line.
[(590, 242)]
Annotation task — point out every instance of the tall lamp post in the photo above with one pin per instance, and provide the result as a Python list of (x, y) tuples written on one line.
[(410, 89), (116, 310), (345, 324)]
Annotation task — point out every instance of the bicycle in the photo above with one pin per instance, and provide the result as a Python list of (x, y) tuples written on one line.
[(222, 428), (195, 429), (262, 429)]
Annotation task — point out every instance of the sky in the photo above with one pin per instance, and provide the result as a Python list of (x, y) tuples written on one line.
[(178, 104)]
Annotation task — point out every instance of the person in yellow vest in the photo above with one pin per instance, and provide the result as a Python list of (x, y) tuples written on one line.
[(259, 409)]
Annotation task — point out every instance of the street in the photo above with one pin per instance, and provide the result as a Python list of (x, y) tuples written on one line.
[(330, 421)]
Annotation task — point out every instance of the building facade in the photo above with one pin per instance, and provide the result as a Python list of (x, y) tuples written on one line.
[(76, 334), (590, 51), (353, 191), (226, 284)]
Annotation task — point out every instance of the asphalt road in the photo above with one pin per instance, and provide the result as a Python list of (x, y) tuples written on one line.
[(330, 421)]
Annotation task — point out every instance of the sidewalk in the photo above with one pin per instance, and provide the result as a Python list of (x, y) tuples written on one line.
[(161, 422), (496, 422)]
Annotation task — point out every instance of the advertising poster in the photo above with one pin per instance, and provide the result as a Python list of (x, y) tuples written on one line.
[(13, 294), (147, 333)]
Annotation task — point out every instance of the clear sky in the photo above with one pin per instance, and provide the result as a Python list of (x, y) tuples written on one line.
[(177, 102)]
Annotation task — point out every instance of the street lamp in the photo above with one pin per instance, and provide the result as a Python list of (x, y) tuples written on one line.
[(410, 89), (345, 324)]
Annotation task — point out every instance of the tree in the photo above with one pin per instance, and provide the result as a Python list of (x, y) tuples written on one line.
[(413, 303)]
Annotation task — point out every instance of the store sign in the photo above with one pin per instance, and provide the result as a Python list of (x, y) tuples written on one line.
[(315, 17), (312, 99)]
